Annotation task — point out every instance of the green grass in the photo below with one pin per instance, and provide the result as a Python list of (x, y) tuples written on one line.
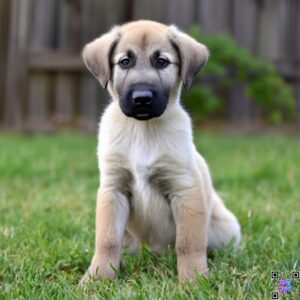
[(47, 201)]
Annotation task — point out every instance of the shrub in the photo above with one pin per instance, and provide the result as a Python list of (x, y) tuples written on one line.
[(233, 64)]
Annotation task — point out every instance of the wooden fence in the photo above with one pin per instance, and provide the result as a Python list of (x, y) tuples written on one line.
[(44, 83)]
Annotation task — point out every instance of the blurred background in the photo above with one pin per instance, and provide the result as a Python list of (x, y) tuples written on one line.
[(252, 79)]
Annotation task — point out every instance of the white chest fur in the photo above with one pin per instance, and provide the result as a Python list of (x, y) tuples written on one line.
[(145, 158)]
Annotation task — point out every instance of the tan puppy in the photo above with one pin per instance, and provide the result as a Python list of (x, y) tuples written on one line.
[(155, 186)]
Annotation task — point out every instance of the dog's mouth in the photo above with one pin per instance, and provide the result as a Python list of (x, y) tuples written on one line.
[(143, 115)]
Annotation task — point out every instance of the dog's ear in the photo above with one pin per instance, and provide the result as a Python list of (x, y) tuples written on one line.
[(192, 55), (97, 55)]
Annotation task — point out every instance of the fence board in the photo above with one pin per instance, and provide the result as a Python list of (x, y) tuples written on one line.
[(289, 62), (187, 15), (114, 12), (68, 39), (92, 27), (42, 38), (289, 16), (4, 12), (240, 107), (92, 96), (268, 29), (245, 30), (245, 21), (25, 24), (215, 16), (12, 108), (290, 30), (297, 96), (149, 10)]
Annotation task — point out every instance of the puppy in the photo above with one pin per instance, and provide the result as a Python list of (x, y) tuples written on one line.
[(155, 186)]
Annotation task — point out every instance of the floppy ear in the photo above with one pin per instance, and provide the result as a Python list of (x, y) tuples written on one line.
[(192, 55), (97, 55)]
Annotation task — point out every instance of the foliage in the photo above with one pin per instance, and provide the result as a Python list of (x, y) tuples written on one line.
[(207, 104), (232, 64), (48, 188)]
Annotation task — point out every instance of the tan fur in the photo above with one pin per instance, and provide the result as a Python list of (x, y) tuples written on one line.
[(97, 55), (155, 186), (191, 218)]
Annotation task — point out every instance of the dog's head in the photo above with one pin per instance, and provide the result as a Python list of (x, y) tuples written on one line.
[(143, 63)]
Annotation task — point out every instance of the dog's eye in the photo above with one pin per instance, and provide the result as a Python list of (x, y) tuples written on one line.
[(125, 63), (162, 63)]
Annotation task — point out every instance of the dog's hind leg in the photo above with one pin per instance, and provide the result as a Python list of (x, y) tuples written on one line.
[(223, 225)]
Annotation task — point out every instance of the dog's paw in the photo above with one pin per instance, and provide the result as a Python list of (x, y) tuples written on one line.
[(189, 265), (98, 271), (85, 279)]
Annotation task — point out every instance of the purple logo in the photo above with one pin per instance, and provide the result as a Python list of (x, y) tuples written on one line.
[(285, 285)]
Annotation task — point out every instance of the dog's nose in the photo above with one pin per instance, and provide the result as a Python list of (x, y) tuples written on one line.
[(142, 97)]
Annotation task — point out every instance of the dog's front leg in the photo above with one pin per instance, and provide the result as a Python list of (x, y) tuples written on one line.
[(190, 214), (111, 218)]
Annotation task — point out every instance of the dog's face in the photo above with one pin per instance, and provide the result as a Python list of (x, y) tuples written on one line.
[(143, 63)]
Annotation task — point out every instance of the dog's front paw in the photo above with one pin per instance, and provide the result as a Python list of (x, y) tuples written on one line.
[(189, 265), (98, 269)]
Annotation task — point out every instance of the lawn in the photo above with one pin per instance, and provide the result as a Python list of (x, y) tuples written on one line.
[(48, 185)]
